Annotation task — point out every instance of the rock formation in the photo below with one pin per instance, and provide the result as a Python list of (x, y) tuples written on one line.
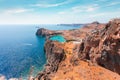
[(46, 32), (90, 53), (103, 46), (54, 54)]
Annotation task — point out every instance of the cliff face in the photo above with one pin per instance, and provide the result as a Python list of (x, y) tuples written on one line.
[(54, 54), (103, 46), (46, 32), (93, 55)]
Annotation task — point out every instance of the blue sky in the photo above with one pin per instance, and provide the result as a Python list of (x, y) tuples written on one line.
[(57, 11)]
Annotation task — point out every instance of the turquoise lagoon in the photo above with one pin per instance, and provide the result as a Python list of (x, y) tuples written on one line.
[(58, 38)]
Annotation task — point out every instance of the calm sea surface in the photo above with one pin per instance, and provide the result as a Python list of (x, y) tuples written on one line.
[(20, 49)]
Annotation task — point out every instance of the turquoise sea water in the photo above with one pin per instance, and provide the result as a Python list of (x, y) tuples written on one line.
[(58, 38), (20, 49)]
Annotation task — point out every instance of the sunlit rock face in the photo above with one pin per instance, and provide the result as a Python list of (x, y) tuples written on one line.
[(46, 32), (103, 46), (54, 54)]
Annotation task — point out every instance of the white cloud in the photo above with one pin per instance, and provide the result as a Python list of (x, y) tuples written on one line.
[(62, 12), (97, 15), (56, 19), (85, 8), (101, 0), (80, 9), (89, 9), (112, 4), (77, 9), (46, 5), (16, 11), (103, 17)]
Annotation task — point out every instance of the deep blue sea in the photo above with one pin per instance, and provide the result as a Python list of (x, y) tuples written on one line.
[(20, 49)]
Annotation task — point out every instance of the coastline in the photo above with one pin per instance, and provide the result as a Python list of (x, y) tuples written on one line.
[(84, 45)]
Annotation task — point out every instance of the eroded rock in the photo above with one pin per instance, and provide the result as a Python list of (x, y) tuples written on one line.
[(103, 46), (54, 54)]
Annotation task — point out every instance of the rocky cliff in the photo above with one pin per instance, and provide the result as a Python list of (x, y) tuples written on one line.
[(90, 53), (46, 32), (54, 54), (103, 46)]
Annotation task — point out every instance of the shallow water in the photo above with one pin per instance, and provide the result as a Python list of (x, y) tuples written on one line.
[(20, 49), (58, 38)]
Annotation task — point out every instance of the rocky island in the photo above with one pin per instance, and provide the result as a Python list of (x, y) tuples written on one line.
[(89, 53)]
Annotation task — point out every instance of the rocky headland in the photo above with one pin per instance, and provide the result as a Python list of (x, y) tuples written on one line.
[(89, 53)]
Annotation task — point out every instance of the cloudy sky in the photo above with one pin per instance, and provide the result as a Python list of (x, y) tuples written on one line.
[(57, 11)]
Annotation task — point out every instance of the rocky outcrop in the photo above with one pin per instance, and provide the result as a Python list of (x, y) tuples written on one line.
[(72, 68), (103, 46), (46, 32), (54, 54)]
